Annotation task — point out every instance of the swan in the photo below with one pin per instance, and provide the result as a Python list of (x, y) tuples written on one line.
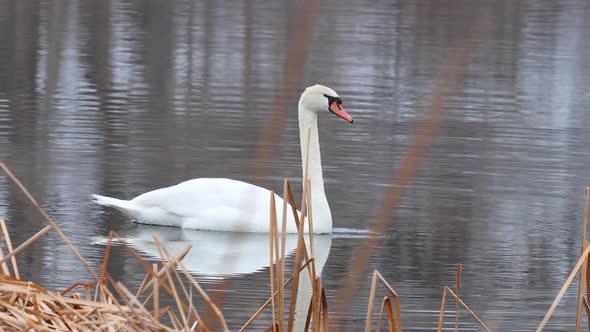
[(219, 204)]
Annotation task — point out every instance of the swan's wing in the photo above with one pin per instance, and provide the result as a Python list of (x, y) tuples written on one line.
[(214, 203)]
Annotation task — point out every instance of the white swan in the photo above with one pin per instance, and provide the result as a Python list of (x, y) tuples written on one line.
[(229, 205)]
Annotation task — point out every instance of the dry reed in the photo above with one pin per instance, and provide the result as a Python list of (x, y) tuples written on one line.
[(582, 267), (458, 301), (25, 305)]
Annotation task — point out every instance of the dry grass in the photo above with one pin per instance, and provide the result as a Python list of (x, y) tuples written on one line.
[(108, 305)]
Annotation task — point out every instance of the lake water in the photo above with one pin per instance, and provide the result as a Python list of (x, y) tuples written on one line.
[(121, 97)]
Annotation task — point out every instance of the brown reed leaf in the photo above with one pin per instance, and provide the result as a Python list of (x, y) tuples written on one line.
[(257, 313), (194, 283), (587, 307), (585, 268), (273, 327), (6, 237), (397, 312), (386, 308), (272, 237), (441, 315), (564, 288), (458, 290), (447, 291)]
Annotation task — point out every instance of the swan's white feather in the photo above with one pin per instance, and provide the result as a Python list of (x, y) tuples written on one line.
[(229, 205), (205, 203)]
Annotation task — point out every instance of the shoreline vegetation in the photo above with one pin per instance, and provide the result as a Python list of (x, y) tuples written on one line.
[(109, 305)]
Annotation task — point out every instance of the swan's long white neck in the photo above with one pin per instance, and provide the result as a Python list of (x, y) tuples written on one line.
[(308, 122)]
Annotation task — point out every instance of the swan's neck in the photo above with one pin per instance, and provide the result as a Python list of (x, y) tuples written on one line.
[(308, 125)]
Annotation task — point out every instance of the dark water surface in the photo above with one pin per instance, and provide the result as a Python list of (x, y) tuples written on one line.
[(121, 97)]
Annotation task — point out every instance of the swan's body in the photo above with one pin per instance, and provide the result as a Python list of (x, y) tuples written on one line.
[(204, 203), (219, 204)]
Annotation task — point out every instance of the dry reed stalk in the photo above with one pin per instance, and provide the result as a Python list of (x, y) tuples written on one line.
[(587, 307), (54, 225), (257, 313), (325, 311), (300, 240), (584, 277), (317, 304), (262, 160), (309, 315), (455, 72), (447, 291), (317, 311), (4, 265), (287, 193), (132, 301), (281, 293), (322, 311), (371, 307), (171, 283), (168, 266), (397, 312), (145, 280), (441, 315), (100, 286), (6, 236), (135, 311), (27, 243), (581, 286), (166, 284), (273, 327), (28, 306), (471, 312), (294, 287), (306, 205), (584, 236), (386, 307), (564, 288), (174, 319), (310, 222), (295, 284), (271, 234), (143, 263), (40, 306), (297, 221), (279, 268), (194, 283), (113, 301), (156, 292), (458, 290)]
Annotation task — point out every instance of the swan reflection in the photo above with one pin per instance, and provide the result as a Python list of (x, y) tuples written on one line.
[(218, 254)]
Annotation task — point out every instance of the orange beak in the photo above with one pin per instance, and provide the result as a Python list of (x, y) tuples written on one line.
[(339, 111)]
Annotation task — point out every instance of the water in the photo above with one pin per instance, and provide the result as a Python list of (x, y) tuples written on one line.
[(121, 97)]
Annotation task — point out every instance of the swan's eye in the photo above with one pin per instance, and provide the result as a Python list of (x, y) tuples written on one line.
[(334, 107), (332, 99)]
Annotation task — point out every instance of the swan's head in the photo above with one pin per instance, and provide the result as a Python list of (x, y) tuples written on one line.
[(319, 98)]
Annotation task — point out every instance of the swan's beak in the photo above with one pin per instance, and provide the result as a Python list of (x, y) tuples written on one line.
[(339, 111)]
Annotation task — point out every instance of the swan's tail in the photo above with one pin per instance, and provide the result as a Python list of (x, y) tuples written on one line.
[(119, 204)]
